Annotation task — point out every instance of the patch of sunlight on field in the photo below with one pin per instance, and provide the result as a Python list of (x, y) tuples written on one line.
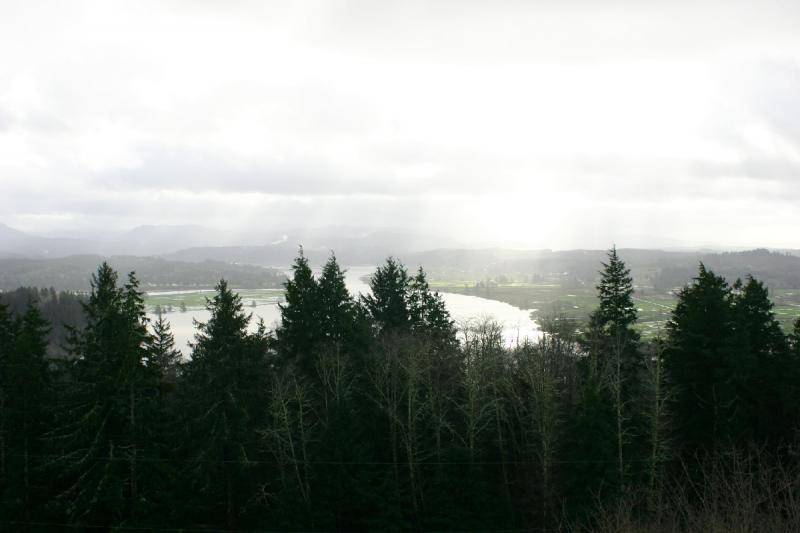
[(197, 299)]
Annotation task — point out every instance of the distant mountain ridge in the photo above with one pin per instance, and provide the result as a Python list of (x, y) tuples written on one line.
[(147, 240), (15, 243), (159, 240), (198, 243), (445, 259), (360, 249)]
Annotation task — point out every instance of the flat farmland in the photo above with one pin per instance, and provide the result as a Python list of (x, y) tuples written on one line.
[(654, 307), (197, 299), (543, 299)]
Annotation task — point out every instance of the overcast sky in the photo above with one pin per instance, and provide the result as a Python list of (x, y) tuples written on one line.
[(553, 124)]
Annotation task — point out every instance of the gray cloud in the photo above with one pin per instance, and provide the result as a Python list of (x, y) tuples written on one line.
[(396, 170), (559, 125), (772, 95)]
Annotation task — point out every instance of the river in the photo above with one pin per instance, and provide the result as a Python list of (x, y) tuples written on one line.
[(517, 323)]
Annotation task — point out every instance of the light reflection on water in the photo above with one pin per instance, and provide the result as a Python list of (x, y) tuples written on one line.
[(517, 323)]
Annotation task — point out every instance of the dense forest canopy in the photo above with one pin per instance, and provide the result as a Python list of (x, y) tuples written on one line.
[(61, 310), (374, 412)]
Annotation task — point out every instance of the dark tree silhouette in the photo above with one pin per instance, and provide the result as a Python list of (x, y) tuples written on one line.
[(223, 398)]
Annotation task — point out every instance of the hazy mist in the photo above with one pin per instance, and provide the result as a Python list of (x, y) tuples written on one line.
[(535, 123)]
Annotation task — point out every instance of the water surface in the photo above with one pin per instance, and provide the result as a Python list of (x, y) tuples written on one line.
[(517, 323)]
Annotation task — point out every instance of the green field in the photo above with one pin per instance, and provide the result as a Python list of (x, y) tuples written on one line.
[(197, 299), (654, 307), (787, 306), (546, 298)]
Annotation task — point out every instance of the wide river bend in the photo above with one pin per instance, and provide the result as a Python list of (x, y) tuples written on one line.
[(517, 323)]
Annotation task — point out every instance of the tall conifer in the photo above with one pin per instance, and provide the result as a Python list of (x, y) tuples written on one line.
[(698, 357), (336, 305), (7, 335), (107, 433), (428, 313), (299, 333), (162, 351), (387, 305), (223, 403), (27, 406), (762, 371), (612, 371)]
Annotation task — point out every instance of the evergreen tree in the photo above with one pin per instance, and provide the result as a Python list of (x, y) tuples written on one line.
[(299, 334), (762, 372), (700, 347), (615, 290), (428, 313), (345, 497), (223, 403), (26, 406), (794, 338), (387, 306), (403, 304), (612, 372), (7, 335), (756, 323), (93, 424), (7, 330), (412, 370), (163, 479), (162, 351), (107, 431), (591, 466), (337, 311), (615, 318)]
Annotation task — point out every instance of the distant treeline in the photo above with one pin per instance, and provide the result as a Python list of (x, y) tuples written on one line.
[(656, 269), (377, 414), (776, 270), (72, 273), (61, 310)]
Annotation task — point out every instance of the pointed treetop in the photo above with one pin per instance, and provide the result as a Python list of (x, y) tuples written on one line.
[(298, 332), (387, 304), (228, 319), (615, 292), (163, 354), (104, 287)]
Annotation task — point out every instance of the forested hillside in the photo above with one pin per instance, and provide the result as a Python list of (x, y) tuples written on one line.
[(652, 269), (72, 273), (376, 414), (61, 310)]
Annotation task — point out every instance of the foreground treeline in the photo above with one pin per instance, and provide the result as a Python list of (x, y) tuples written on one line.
[(377, 413)]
